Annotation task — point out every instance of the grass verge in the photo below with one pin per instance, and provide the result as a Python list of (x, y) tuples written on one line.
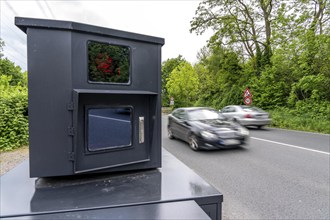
[(303, 122)]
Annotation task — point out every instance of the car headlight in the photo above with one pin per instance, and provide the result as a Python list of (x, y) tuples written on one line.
[(243, 131), (208, 135)]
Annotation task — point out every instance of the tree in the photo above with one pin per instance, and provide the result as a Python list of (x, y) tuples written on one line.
[(9, 68), (312, 36), (311, 87), (314, 15), (244, 26), (183, 85), (221, 77), (256, 28), (2, 44), (167, 67)]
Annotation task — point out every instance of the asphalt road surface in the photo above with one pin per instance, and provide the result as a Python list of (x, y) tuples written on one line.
[(279, 174)]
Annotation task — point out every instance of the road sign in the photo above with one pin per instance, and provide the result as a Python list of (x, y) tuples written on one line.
[(247, 97), (247, 101), (171, 101), (247, 93)]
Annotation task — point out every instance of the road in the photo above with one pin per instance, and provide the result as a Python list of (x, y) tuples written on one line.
[(279, 174)]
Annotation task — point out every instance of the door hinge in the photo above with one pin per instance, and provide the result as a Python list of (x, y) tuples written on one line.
[(71, 131), (71, 156)]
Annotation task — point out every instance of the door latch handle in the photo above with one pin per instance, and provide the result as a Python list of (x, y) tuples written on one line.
[(141, 130)]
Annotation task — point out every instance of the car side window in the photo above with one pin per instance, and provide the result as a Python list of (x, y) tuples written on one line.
[(175, 113), (228, 110), (180, 114)]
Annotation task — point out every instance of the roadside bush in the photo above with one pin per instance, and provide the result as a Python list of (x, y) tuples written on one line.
[(306, 116), (312, 88), (13, 115)]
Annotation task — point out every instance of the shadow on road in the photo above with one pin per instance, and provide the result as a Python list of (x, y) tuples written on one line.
[(241, 149), (253, 128)]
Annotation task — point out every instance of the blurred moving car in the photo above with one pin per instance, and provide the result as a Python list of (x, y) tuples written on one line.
[(246, 115), (205, 128)]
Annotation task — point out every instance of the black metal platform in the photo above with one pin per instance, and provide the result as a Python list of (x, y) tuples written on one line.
[(171, 192)]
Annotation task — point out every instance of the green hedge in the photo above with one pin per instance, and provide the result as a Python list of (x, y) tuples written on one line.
[(305, 116), (13, 115)]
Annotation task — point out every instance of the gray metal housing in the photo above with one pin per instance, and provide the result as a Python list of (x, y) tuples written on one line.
[(59, 91)]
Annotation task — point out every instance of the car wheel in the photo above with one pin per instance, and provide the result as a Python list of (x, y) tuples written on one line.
[(193, 142), (170, 133)]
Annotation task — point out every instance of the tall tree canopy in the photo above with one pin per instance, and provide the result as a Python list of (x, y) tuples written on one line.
[(9, 68), (253, 28), (242, 25)]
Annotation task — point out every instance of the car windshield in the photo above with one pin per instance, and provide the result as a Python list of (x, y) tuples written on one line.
[(203, 114), (251, 109)]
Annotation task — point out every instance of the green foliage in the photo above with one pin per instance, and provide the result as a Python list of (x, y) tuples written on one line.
[(167, 67), (8, 68), (280, 50), (13, 105), (311, 55), (306, 116), (273, 86), (183, 85), (315, 88), (13, 114), (241, 25), (221, 77)]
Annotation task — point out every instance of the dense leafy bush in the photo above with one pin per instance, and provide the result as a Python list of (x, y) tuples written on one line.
[(13, 114), (306, 116), (8, 68), (310, 87), (183, 85)]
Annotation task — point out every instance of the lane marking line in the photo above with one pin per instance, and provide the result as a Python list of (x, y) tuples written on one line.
[(307, 132), (293, 146)]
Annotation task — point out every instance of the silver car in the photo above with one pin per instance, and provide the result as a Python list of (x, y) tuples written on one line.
[(246, 115)]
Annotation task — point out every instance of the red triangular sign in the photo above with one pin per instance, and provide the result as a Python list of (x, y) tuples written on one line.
[(247, 93)]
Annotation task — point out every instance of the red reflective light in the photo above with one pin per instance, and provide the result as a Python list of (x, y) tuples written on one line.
[(248, 116)]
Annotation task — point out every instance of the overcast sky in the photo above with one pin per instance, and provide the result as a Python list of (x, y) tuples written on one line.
[(169, 19)]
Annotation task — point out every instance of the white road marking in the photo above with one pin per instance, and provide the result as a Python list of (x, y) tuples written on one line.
[(115, 119), (290, 145), (308, 132)]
